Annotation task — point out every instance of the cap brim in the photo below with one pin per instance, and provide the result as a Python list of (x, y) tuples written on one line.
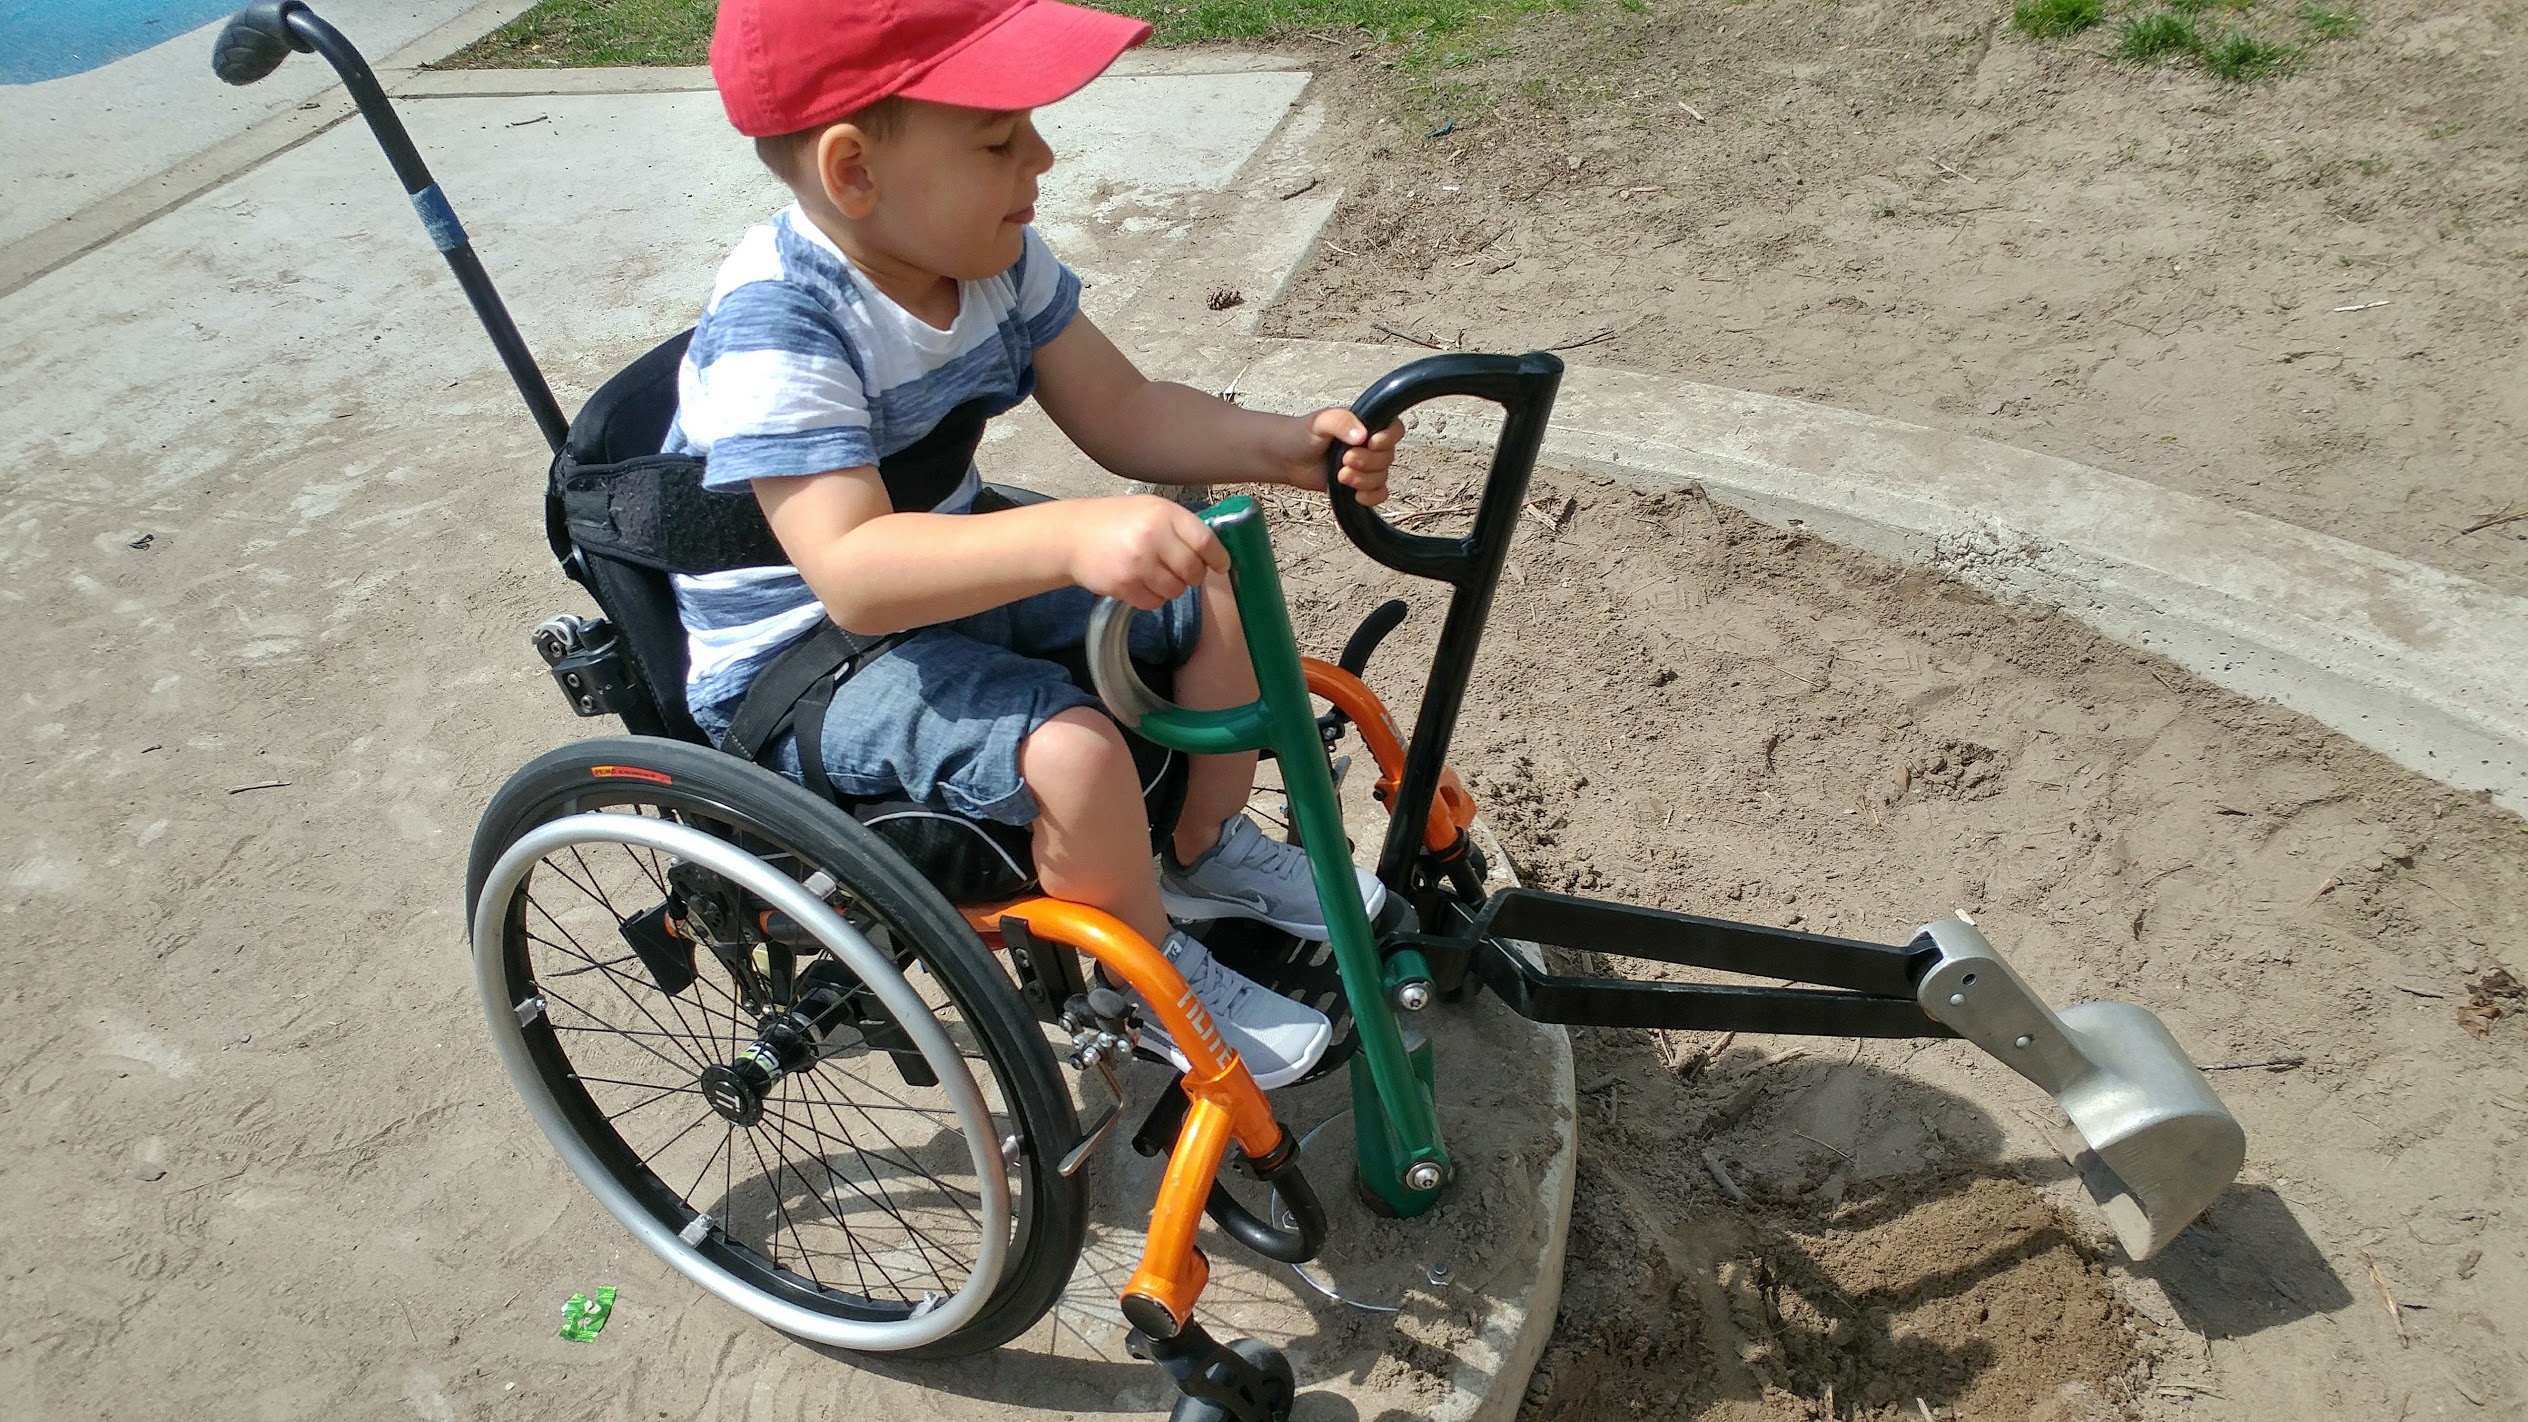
[(1040, 52)]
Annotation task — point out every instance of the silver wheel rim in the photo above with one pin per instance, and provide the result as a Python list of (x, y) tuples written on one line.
[(872, 967)]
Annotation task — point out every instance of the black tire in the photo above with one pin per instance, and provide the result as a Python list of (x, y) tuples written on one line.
[(876, 891)]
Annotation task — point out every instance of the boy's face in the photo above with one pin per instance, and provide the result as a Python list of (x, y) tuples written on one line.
[(949, 190)]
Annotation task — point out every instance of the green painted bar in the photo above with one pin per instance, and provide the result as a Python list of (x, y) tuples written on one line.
[(1398, 1128)]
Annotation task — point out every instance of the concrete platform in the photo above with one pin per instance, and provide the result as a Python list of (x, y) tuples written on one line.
[(270, 514)]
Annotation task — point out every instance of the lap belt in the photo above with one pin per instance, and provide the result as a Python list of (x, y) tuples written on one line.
[(791, 694)]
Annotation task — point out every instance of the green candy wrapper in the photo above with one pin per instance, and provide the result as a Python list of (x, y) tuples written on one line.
[(583, 1317)]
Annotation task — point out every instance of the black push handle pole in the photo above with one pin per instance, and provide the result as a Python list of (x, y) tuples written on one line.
[(1523, 386), (253, 44)]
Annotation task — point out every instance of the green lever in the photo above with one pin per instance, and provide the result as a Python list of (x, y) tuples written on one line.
[(1403, 1161)]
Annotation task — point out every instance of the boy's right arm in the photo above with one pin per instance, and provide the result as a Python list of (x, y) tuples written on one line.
[(878, 571)]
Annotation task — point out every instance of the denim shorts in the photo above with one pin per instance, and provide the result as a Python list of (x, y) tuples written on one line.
[(938, 718)]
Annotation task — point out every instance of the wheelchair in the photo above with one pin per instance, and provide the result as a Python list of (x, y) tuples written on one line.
[(771, 1030), (804, 1048)]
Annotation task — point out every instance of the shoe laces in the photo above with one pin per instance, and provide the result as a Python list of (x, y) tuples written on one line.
[(1245, 846), (1220, 989)]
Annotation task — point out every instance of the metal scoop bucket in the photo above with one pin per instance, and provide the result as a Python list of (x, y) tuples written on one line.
[(2155, 1145)]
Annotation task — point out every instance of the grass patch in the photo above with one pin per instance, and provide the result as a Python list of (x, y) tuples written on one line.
[(2052, 19), (596, 33), (2255, 39), (1431, 34), (2238, 57), (2328, 22), (1395, 21), (2160, 34)]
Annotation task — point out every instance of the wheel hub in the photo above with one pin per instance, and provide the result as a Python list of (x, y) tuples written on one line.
[(736, 1091)]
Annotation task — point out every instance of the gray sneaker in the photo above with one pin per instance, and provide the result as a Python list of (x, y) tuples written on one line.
[(1278, 1039), (1247, 875)]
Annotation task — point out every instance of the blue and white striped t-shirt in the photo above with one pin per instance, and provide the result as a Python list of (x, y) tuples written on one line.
[(800, 366)]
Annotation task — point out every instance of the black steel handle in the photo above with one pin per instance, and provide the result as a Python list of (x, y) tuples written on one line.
[(255, 41), (1363, 643), (1281, 1170), (1523, 386)]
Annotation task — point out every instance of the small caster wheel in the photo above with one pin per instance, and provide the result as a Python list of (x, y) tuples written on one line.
[(1269, 1397)]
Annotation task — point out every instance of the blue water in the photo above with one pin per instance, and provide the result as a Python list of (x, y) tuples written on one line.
[(47, 39)]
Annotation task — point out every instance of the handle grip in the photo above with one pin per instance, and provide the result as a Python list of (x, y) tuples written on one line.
[(1523, 386), (1128, 698), (1131, 701), (255, 41)]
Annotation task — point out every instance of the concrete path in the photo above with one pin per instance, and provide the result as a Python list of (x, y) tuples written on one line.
[(270, 515), (91, 152)]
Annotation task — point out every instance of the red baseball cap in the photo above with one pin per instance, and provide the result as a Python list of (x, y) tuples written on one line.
[(786, 65)]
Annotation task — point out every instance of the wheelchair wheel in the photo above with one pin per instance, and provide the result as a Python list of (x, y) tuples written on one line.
[(772, 1050)]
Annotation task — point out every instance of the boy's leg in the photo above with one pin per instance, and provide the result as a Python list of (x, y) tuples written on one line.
[(1092, 836), (970, 724), (1221, 864), (1091, 849), (1217, 675)]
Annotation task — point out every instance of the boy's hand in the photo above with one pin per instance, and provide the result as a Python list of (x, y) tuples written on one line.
[(1364, 464), (1142, 549)]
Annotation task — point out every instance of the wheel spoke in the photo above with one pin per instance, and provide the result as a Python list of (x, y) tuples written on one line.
[(692, 1065), (727, 1139), (907, 1159), (818, 1086), (697, 1123), (885, 1205), (860, 1180), (594, 967)]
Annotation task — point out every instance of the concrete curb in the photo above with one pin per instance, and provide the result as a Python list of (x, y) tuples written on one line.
[(542, 83), (2424, 666)]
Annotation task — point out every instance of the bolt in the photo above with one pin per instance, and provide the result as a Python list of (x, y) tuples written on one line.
[(1440, 1274), (2024, 1040), (1957, 999), (1413, 996), (1425, 1175)]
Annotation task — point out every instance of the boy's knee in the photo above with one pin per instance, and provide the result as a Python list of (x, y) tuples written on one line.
[(1079, 747)]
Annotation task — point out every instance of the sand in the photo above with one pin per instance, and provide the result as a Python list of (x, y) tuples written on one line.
[(1680, 707), (1915, 211)]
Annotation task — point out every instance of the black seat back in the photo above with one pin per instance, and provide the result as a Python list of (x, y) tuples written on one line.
[(627, 420)]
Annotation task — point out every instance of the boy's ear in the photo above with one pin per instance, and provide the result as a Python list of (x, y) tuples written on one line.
[(842, 168)]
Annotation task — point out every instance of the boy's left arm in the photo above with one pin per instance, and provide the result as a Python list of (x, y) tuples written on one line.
[(1174, 434)]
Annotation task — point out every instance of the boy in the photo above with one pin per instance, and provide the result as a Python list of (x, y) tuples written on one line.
[(852, 348)]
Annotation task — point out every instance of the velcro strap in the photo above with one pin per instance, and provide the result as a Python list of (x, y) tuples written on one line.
[(653, 511)]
